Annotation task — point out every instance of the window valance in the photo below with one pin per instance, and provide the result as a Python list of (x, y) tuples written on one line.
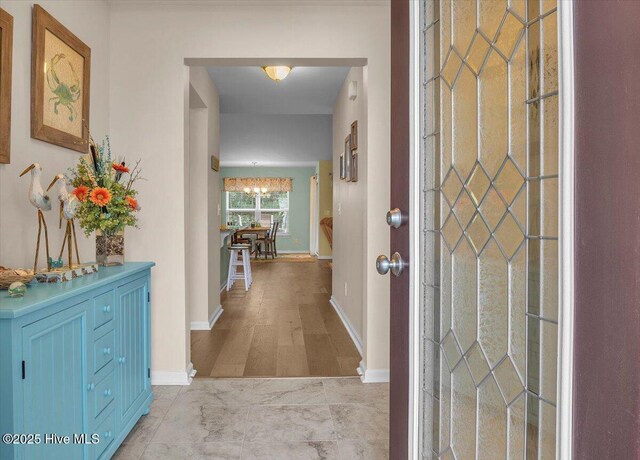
[(264, 184)]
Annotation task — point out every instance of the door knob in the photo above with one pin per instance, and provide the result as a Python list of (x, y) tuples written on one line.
[(395, 218), (396, 264)]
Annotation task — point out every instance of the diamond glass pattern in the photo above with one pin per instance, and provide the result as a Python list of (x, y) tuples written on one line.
[(477, 53), (451, 231), (509, 181), (493, 117), (509, 35), (509, 235), (478, 233), (508, 380), (492, 208), (451, 68), (478, 184), (464, 209)]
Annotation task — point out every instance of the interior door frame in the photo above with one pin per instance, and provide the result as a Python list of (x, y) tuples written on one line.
[(566, 204)]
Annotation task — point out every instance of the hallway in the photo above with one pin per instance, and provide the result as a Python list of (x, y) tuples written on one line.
[(284, 326), (301, 419)]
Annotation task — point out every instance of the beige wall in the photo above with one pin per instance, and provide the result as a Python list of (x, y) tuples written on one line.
[(18, 222), (353, 290), (203, 242), (325, 186), (147, 99)]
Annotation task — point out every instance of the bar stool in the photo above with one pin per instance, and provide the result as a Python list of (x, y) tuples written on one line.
[(237, 251)]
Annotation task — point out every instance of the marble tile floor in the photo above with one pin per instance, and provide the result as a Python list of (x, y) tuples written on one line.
[(265, 419)]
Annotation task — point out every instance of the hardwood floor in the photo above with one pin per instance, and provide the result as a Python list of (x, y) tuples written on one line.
[(283, 327)]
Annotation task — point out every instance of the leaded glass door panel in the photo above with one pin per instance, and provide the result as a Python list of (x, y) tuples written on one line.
[(489, 208)]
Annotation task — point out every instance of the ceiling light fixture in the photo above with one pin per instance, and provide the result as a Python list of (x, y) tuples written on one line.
[(277, 72)]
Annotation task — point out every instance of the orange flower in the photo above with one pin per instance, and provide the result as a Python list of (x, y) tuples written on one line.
[(132, 202), (120, 168), (100, 196), (81, 192)]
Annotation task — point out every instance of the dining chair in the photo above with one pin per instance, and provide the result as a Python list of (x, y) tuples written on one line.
[(269, 241)]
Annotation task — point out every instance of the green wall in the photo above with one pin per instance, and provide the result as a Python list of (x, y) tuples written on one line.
[(299, 198)]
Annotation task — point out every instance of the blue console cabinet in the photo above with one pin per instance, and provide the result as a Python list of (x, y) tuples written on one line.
[(75, 361)]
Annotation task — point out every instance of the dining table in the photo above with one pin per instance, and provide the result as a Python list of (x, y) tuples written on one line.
[(260, 232)]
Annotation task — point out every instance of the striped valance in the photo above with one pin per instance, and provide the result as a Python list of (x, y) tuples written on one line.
[(264, 184)]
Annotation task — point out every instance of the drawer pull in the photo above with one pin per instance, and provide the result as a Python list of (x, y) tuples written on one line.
[(107, 350), (91, 386), (106, 308), (107, 392), (121, 359)]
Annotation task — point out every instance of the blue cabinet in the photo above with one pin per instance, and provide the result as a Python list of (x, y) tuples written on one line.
[(75, 362)]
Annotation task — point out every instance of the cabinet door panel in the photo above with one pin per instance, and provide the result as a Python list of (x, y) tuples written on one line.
[(131, 344), (55, 381)]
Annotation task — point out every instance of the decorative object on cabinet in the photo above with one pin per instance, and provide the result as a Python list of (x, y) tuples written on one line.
[(354, 135), (107, 200), (60, 70), (6, 50), (17, 289), (41, 201), (347, 156), (69, 205), (75, 359), (9, 276), (354, 166), (215, 163), (62, 274)]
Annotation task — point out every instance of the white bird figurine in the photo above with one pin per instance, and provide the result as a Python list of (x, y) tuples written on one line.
[(41, 201), (69, 205)]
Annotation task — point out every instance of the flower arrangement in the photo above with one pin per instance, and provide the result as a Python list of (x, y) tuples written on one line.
[(105, 190)]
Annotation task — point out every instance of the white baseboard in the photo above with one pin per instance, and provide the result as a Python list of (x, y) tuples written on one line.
[(372, 375), (325, 257), (355, 338), (301, 251), (223, 286), (207, 325), (173, 378)]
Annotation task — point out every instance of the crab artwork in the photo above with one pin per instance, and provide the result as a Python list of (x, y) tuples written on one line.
[(66, 93)]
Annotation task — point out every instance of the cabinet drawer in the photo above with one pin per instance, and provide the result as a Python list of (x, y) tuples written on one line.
[(102, 394), (107, 433), (103, 350), (103, 307)]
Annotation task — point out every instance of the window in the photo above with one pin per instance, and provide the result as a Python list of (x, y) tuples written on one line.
[(264, 208)]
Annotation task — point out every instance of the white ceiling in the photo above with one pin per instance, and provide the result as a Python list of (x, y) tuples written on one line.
[(307, 90)]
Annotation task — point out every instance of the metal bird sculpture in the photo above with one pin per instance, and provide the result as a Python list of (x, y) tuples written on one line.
[(69, 205), (41, 201)]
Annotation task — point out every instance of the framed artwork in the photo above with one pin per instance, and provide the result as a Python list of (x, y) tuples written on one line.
[(354, 166), (6, 52), (215, 163), (343, 171), (354, 135), (347, 156), (60, 76)]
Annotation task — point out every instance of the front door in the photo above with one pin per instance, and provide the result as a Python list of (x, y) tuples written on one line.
[(485, 219)]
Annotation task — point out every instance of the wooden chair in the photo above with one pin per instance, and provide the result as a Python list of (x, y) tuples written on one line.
[(269, 241)]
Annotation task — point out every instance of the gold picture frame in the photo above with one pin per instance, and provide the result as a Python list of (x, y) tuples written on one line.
[(60, 84), (347, 158), (354, 135), (6, 60)]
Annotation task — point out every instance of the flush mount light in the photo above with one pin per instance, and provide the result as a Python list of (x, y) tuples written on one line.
[(277, 72)]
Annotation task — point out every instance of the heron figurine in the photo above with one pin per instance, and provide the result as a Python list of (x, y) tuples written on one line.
[(41, 201), (69, 205)]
